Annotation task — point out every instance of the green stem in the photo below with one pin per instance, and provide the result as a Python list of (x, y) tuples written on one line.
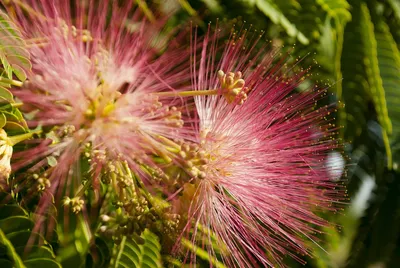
[(202, 253), (188, 93), (11, 82), (16, 104), (146, 10), (18, 138), (119, 255), (83, 188)]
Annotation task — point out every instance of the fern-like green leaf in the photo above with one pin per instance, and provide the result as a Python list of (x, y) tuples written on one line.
[(13, 55), (353, 116), (15, 232), (389, 67), (374, 78), (339, 11), (14, 59), (130, 253)]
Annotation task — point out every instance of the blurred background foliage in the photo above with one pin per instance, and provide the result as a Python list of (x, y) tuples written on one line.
[(353, 48)]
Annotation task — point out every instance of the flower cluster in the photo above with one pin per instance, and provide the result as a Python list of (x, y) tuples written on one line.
[(209, 136)]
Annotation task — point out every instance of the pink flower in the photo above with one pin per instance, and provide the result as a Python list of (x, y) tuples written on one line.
[(92, 85), (262, 147)]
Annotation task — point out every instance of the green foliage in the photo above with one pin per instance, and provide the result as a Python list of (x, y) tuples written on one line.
[(20, 246), (389, 66), (11, 119), (13, 55), (374, 79), (143, 251), (14, 59)]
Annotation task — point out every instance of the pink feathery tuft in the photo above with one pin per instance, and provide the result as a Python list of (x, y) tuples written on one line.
[(264, 145), (92, 84)]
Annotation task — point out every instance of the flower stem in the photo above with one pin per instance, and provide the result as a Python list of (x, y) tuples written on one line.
[(11, 81), (83, 188), (16, 104), (18, 138), (188, 93)]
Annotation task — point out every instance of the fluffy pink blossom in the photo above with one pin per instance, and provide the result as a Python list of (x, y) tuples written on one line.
[(263, 145), (92, 84)]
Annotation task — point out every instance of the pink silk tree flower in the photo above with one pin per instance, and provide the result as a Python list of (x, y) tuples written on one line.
[(93, 89), (260, 154)]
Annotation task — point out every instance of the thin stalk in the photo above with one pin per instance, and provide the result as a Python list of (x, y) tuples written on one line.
[(83, 188), (18, 138), (189, 93), (11, 81)]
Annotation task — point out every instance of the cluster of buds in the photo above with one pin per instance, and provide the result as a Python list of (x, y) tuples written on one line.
[(66, 131), (66, 30), (135, 213), (157, 110), (96, 156), (114, 170), (232, 87), (156, 174), (76, 204), (42, 181), (119, 173), (194, 159)]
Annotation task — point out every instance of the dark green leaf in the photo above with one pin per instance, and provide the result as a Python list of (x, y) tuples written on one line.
[(15, 223), (13, 128), (6, 263), (12, 255), (41, 263), (11, 210), (34, 252), (21, 238)]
